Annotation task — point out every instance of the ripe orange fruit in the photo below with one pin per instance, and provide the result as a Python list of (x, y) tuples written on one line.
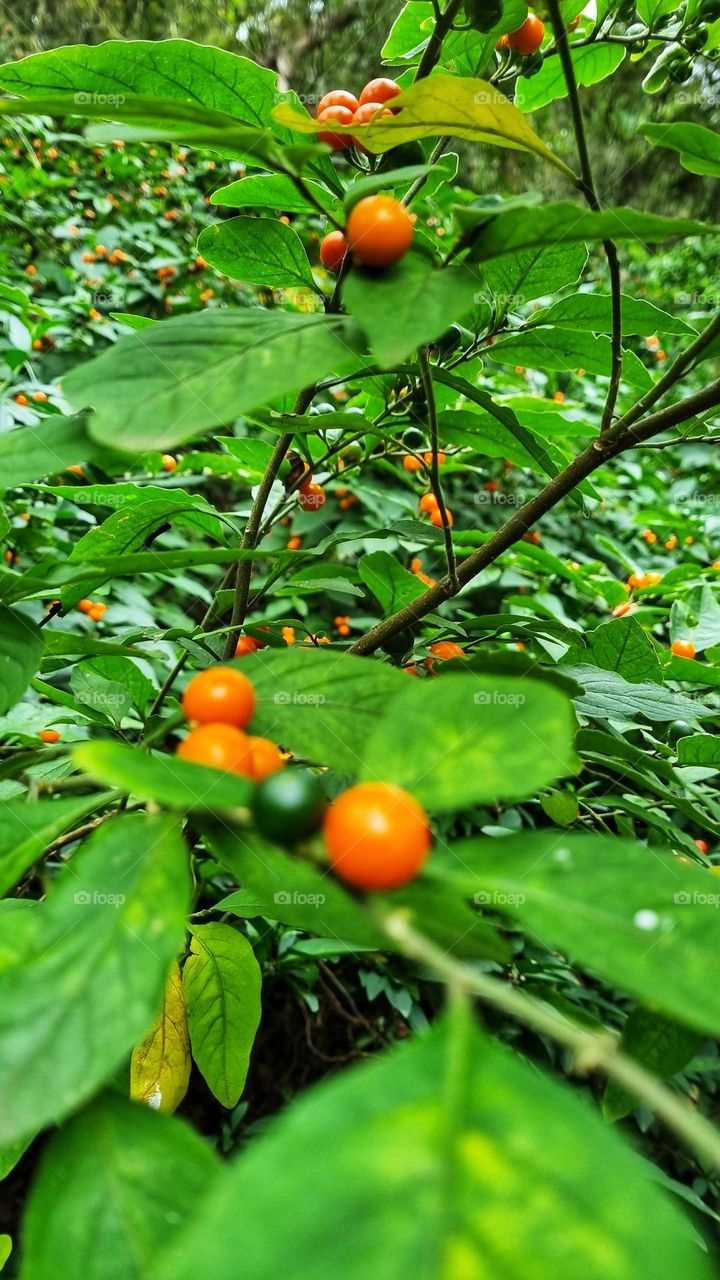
[(411, 463), (169, 463), (377, 836), (683, 648), (623, 609), (636, 580), (85, 606), (97, 612), (379, 90), (445, 649), (311, 496), (437, 520), (649, 536), (442, 459), (341, 115), (379, 231), (220, 695), (332, 250), (702, 845), (337, 98), (671, 543), (428, 502), (245, 645), (49, 735), (528, 38), (288, 635), (264, 759), (294, 543), (219, 746), (21, 399)]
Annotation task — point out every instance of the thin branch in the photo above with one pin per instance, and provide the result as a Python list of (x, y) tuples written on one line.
[(435, 484), (433, 47), (587, 186), (591, 1050), (594, 456)]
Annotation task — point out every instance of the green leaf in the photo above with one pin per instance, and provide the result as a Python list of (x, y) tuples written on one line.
[(221, 981), (319, 705), (140, 515), (475, 739), (660, 1044), (700, 749), (140, 1176), (623, 646), (163, 778), (29, 453), (28, 827), (5, 1250), (540, 1187), (412, 303), (563, 349), (699, 147), (392, 586), (21, 644), (561, 807), (439, 106), (637, 916), (593, 312), (259, 251), (179, 379), (607, 695), (273, 191), (278, 886), (568, 223), (593, 63), (534, 273), (160, 1066), (88, 980)]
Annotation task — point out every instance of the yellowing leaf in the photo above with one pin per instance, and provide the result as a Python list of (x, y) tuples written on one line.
[(160, 1066), (438, 106)]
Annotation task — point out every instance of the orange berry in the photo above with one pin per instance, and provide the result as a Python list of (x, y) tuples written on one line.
[(437, 520), (219, 695), (528, 38), (97, 612), (411, 463), (379, 230), (623, 609), (311, 497), (379, 90), (288, 635), (702, 845), (85, 606), (218, 746), (649, 536), (295, 543), (333, 248), (49, 735), (377, 836), (337, 98), (338, 115), (264, 759), (21, 399), (245, 645), (446, 649), (169, 463), (683, 648), (416, 565)]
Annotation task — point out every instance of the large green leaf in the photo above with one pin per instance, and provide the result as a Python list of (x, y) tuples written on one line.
[(21, 644), (534, 273), (609, 695), (221, 981), (637, 916), (29, 827), (699, 147), (177, 380), (568, 223), (439, 1160), (392, 586), (319, 705), (660, 1044), (621, 645), (29, 453), (591, 64), (474, 739), (273, 191), (139, 1178), (412, 303), (593, 312), (260, 251), (87, 982), (439, 106), (563, 349)]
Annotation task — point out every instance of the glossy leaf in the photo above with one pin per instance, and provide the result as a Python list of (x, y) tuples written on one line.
[(21, 643), (221, 983), (164, 778), (160, 1065), (258, 251)]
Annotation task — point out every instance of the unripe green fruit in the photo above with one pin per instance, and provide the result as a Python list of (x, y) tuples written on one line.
[(484, 15), (413, 438)]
